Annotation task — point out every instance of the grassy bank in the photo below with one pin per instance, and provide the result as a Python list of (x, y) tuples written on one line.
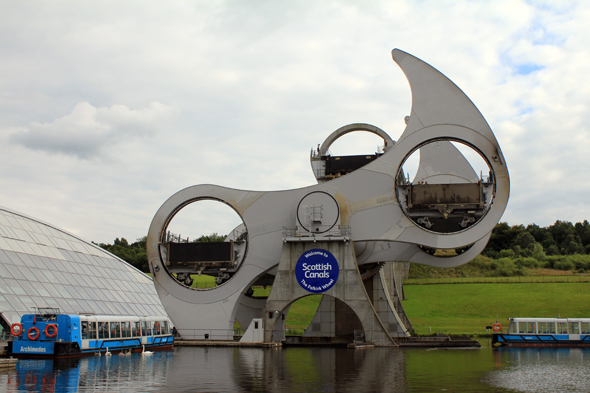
[(469, 308)]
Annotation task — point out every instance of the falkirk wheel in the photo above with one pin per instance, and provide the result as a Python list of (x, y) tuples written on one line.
[(350, 236)]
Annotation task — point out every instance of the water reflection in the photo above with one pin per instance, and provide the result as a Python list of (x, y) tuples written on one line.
[(315, 369), (90, 374), (202, 369), (217, 370), (542, 369)]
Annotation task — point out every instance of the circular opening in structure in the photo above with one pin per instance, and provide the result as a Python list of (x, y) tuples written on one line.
[(204, 244), (445, 186), (357, 143)]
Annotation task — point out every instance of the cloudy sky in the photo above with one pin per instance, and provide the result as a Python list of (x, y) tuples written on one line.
[(107, 108)]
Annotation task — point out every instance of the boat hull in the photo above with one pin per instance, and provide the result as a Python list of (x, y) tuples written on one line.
[(64, 350), (539, 340)]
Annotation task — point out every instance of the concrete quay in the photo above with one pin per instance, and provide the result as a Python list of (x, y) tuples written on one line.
[(438, 342), (222, 343), (8, 363)]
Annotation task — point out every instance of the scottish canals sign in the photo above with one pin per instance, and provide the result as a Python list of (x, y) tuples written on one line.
[(317, 270)]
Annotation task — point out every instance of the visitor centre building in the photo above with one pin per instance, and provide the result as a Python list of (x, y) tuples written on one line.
[(44, 266)]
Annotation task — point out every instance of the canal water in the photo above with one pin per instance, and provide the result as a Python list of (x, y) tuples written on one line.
[(222, 369)]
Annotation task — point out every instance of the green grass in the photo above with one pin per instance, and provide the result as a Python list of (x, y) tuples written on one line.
[(302, 311), (469, 308), (202, 281)]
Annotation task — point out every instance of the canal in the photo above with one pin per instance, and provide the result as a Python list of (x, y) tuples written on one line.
[(222, 369)]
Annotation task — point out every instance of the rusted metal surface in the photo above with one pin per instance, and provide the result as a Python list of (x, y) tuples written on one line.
[(341, 165), (445, 194), (215, 253)]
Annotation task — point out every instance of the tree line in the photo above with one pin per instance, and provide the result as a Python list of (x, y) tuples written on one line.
[(135, 253), (522, 251), (510, 251), (561, 238)]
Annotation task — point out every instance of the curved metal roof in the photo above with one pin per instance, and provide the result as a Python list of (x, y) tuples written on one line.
[(44, 266)]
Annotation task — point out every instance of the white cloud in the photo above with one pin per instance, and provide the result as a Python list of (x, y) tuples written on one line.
[(134, 101), (87, 130)]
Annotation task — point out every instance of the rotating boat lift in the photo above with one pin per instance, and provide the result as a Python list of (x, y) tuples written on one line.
[(350, 237)]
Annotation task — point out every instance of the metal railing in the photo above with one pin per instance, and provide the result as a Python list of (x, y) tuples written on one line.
[(340, 231), (499, 280), (206, 334)]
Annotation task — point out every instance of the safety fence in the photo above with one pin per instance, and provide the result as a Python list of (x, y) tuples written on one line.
[(498, 280), (294, 332), (206, 334)]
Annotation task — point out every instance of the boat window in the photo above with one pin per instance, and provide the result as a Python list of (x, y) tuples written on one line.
[(146, 328), (574, 328), (136, 329), (115, 331), (126, 329), (561, 327), (585, 327), (552, 328), (531, 327), (521, 327), (165, 329), (543, 327), (92, 330), (157, 328), (512, 328), (84, 330), (103, 330)]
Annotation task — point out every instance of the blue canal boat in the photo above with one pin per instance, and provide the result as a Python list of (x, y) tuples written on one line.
[(544, 332), (47, 334)]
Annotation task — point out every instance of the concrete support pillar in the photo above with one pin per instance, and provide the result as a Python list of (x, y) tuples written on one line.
[(323, 323), (348, 288), (384, 305), (394, 273)]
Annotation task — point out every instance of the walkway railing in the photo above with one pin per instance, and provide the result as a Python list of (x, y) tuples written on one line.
[(494, 280), (206, 334)]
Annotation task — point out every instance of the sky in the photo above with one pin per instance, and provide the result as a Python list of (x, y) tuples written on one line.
[(107, 108)]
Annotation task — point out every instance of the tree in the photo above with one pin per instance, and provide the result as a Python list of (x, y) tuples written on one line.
[(135, 253), (214, 237), (524, 240), (502, 237)]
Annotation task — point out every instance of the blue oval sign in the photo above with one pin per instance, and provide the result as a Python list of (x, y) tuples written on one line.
[(317, 270)]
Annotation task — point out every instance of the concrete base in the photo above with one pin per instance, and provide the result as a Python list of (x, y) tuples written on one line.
[(351, 298), (8, 363)]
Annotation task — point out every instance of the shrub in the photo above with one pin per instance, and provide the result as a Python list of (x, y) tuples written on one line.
[(565, 264), (527, 262), (506, 254), (581, 262), (553, 250)]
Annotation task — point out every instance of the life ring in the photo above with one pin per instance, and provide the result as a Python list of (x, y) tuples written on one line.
[(497, 327), (46, 331), (19, 331), (33, 337)]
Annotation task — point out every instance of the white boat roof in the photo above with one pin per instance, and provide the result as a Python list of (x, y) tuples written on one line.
[(550, 319)]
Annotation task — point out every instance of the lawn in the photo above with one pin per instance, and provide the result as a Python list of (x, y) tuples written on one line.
[(469, 308), (466, 307)]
